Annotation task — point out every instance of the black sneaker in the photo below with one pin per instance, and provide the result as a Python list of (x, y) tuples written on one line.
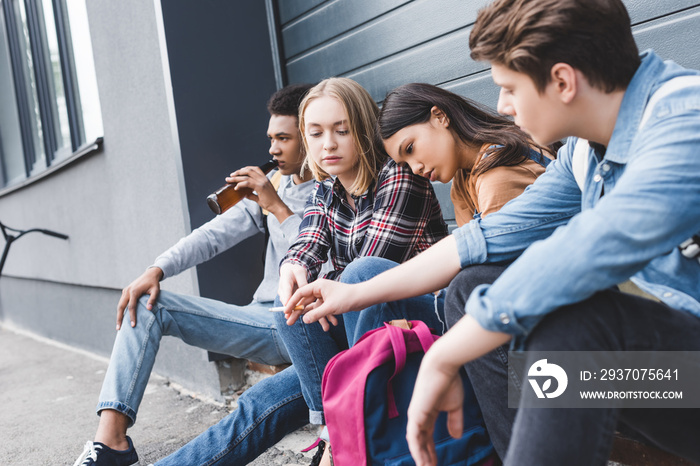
[(99, 454), (316, 460), (322, 446)]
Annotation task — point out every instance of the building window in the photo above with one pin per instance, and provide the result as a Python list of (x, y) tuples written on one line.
[(49, 107)]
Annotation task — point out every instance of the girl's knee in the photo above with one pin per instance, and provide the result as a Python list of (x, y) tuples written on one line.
[(364, 268)]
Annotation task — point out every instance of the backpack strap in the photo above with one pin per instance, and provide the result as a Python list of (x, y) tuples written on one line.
[(579, 161), (689, 248), (398, 346), (673, 85), (275, 180), (532, 154), (537, 156), (418, 327), (396, 331), (425, 337)]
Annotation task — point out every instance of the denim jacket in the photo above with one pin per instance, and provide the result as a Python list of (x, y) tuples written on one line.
[(640, 201)]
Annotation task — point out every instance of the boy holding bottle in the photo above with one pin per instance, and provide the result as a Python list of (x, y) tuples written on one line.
[(145, 313)]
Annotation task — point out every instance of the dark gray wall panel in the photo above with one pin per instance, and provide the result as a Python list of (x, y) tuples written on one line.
[(478, 87), (438, 61), (222, 75), (290, 9), (427, 41), (401, 29), (330, 20), (447, 58), (644, 10), (674, 37), (442, 191)]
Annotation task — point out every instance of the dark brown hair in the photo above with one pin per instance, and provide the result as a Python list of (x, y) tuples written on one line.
[(531, 36), (474, 125)]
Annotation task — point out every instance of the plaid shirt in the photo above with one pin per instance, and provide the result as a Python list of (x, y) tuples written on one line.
[(396, 218)]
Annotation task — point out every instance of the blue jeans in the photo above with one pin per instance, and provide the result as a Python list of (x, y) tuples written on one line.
[(266, 412), (311, 348), (490, 391), (608, 321), (246, 332)]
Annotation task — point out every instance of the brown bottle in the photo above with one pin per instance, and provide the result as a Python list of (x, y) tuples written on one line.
[(226, 196)]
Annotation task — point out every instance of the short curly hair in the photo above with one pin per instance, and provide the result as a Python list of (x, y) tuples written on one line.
[(286, 101)]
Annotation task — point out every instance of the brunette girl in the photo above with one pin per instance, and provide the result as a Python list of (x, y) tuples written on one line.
[(444, 136)]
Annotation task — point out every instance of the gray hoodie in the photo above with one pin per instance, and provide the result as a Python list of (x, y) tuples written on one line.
[(242, 221)]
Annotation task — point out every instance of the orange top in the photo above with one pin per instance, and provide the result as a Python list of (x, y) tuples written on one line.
[(490, 191)]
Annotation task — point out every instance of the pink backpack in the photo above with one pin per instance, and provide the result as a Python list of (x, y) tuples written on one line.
[(366, 391)]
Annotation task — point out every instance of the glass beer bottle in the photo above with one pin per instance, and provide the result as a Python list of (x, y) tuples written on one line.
[(226, 196)]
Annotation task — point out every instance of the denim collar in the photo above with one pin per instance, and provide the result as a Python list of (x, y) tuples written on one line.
[(632, 108)]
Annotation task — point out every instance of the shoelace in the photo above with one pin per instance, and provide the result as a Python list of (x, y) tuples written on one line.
[(90, 452)]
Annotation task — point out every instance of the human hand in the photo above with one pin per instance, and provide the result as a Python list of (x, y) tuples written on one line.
[(437, 389), (292, 276), (265, 194), (147, 283), (323, 300)]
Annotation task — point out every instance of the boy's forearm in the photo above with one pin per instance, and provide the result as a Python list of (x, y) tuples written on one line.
[(281, 211)]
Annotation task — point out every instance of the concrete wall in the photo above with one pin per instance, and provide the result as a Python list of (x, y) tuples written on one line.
[(220, 64), (385, 43), (120, 207)]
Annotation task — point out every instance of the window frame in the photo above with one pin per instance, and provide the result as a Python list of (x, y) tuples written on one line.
[(45, 89)]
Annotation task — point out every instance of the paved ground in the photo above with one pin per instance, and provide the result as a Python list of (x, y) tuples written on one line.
[(48, 394)]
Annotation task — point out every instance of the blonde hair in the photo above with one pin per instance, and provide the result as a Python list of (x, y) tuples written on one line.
[(362, 114)]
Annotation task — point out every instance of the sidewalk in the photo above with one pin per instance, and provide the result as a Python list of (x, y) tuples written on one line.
[(49, 392)]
